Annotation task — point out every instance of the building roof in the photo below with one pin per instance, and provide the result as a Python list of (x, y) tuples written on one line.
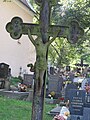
[(28, 5)]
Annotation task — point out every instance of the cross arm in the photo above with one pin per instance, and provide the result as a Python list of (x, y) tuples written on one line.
[(51, 2), (72, 32), (50, 41), (75, 32), (16, 28)]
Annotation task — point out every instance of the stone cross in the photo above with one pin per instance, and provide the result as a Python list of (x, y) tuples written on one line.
[(43, 30), (72, 31), (81, 64)]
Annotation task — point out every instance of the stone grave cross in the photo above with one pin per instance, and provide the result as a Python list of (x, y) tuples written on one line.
[(44, 31)]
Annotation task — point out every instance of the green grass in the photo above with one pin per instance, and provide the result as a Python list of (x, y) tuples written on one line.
[(11, 109)]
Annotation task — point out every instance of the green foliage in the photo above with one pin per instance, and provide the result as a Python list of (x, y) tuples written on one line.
[(15, 80), (61, 14)]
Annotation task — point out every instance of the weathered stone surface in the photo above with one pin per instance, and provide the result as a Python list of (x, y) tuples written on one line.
[(55, 111), (15, 94)]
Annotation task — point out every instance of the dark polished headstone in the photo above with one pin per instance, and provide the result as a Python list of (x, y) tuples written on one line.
[(67, 68), (77, 101), (86, 113), (70, 86), (4, 70), (76, 117), (52, 70), (55, 111), (87, 101)]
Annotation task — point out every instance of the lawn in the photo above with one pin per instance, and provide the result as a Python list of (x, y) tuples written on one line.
[(11, 109)]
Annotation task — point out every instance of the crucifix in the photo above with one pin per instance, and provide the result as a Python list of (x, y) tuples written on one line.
[(46, 34), (81, 64)]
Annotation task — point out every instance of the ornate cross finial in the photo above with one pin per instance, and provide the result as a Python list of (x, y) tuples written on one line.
[(75, 32), (15, 28)]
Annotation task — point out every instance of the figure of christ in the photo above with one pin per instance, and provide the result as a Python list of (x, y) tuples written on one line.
[(41, 61)]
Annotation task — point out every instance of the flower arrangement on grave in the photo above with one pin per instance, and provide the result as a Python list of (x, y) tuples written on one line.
[(87, 88), (22, 87), (52, 94)]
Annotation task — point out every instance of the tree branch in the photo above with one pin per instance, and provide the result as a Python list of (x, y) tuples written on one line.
[(56, 51)]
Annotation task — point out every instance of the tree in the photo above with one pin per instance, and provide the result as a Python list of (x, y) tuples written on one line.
[(78, 10), (61, 52)]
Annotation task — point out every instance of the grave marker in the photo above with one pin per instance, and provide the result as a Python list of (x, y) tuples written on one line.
[(4, 70), (28, 80), (16, 28), (77, 101), (55, 84), (70, 86), (86, 113), (87, 100)]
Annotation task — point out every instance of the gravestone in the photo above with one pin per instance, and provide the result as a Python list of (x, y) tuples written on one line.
[(4, 70), (5, 73), (67, 68), (14, 94), (28, 80), (55, 111), (52, 70), (87, 100), (86, 113), (55, 84), (77, 102), (76, 117), (70, 86), (79, 105)]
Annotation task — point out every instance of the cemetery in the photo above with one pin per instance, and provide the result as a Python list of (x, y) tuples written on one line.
[(7, 90), (79, 104), (47, 76), (79, 99)]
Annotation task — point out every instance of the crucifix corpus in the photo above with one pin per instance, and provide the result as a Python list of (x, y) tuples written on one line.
[(46, 34)]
